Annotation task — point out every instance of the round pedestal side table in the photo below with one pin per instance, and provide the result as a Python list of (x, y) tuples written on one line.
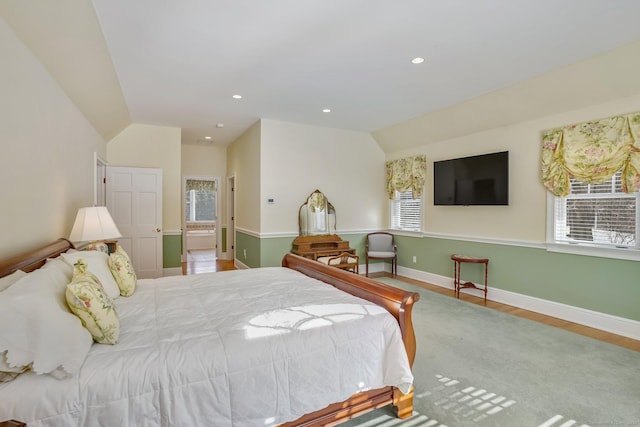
[(458, 284)]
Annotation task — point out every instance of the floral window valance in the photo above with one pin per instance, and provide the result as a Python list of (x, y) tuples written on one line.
[(200, 185), (406, 174), (592, 152)]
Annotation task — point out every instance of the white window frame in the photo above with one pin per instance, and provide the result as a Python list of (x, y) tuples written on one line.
[(590, 248), (404, 205)]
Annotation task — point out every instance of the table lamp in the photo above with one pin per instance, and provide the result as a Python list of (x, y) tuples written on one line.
[(94, 225)]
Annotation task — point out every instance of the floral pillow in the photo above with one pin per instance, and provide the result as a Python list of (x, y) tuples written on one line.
[(123, 272), (88, 300)]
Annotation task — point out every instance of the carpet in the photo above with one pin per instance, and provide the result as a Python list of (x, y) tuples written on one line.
[(480, 367)]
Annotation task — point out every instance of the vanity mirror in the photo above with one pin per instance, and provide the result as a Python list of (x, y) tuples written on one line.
[(317, 216), (317, 229)]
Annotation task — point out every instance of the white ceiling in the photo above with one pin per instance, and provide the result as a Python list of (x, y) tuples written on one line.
[(178, 63)]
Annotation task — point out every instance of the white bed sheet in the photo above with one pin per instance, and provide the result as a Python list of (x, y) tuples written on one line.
[(253, 347)]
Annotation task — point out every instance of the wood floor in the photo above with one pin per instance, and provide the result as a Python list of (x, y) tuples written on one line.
[(202, 264), (205, 261)]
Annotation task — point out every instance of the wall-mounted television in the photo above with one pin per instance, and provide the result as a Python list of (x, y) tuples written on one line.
[(471, 181)]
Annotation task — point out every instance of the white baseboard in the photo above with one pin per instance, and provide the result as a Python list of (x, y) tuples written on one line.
[(240, 265), (375, 267), (176, 271), (594, 319)]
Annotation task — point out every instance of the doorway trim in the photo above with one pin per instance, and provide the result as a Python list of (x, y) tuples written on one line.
[(231, 220), (100, 180)]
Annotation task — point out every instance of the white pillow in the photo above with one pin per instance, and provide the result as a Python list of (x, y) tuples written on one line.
[(37, 330), (98, 264), (60, 264), (9, 373), (12, 278)]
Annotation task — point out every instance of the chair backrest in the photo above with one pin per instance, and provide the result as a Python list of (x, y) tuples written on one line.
[(380, 242)]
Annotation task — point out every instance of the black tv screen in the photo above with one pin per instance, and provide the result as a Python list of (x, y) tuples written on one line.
[(477, 180)]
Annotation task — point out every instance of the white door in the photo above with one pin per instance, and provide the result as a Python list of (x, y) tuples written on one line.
[(134, 199)]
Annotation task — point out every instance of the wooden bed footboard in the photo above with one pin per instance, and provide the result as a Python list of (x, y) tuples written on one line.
[(399, 303)]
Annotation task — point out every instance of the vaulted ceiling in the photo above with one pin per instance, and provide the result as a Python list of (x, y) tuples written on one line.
[(179, 63)]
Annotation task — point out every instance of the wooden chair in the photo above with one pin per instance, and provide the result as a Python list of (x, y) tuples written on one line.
[(345, 261), (381, 245)]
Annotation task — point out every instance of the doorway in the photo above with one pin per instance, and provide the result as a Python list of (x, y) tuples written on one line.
[(200, 228)]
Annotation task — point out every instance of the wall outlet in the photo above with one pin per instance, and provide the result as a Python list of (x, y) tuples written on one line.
[(414, 259), (244, 252)]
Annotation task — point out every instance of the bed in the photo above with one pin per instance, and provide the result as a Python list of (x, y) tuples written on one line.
[(304, 344)]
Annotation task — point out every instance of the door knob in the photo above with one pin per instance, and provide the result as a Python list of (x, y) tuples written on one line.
[(158, 230)]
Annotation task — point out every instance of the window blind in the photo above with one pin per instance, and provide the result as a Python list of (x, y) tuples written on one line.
[(406, 212), (600, 213)]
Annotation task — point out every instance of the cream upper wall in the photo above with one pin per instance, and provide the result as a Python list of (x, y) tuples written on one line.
[(47, 161), (347, 166), (149, 146), (596, 80), (207, 161), (243, 163), (67, 39), (204, 161), (525, 217), (513, 119)]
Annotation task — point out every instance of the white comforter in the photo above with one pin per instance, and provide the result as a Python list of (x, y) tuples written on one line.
[(239, 348)]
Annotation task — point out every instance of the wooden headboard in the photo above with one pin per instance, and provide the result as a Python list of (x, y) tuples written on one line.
[(35, 259)]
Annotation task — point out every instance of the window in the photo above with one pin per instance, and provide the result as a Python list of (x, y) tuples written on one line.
[(597, 214), (406, 212), (200, 201)]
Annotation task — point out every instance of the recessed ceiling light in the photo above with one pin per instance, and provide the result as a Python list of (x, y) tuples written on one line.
[(417, 60), (207, 137), (237, 96), (326, 110)]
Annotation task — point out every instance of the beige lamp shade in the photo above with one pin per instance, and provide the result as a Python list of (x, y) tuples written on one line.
[(93, 224)]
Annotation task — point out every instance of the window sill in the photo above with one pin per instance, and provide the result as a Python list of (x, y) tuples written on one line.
[(409, 233), (629, 254)]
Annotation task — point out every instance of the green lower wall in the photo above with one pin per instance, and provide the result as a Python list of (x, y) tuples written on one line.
[(604, 285), (172, 251), (248, 249), (223, 239), (268, 252)]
